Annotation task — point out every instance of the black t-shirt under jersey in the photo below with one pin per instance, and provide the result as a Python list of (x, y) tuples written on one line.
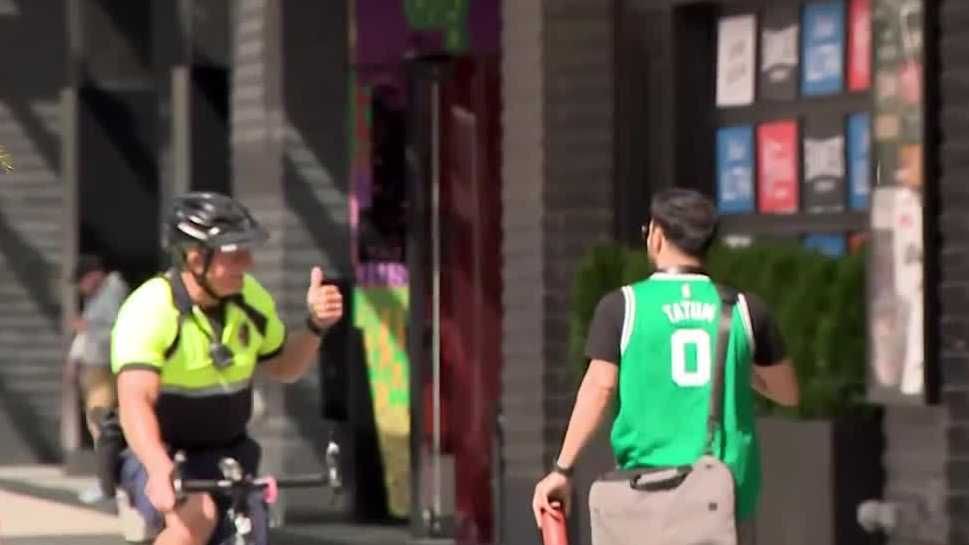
[(605, 331)]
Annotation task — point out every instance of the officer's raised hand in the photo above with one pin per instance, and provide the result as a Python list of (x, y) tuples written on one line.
[(324, 301)]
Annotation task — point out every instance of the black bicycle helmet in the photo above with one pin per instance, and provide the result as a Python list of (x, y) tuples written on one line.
[(211, 221)]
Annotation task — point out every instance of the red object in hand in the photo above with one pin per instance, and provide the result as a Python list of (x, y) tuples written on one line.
[(553, 528)]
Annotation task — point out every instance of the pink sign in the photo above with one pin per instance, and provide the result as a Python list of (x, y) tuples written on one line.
[(777, 163), (859, 45)]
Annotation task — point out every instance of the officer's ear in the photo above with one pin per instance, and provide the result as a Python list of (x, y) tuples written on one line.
[(194, 260)]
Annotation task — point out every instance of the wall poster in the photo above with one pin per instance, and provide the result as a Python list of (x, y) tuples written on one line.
[(735, 170), (832, 245), (859, 45), (779, 53), (777, 162), (736, 51), (859, 160), (823, 44), (896, 294), (824, 164)]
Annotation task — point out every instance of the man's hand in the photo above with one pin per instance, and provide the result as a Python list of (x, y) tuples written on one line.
[(554, 490), (159, 489), (324, 301)]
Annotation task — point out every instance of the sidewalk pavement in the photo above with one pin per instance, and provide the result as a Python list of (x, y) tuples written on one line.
[(47, 517), (39, 506)]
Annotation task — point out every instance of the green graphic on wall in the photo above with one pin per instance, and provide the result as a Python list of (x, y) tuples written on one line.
[(451, 16), (381, 315)]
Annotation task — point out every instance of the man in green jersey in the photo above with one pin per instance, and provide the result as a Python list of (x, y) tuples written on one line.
[(654, 342), (185, 347)]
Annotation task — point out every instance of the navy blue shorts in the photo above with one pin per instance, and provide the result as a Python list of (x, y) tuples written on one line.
[(200, 464)]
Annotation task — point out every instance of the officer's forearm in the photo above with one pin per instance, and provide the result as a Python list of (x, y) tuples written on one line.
[(299, 354), (141, 430)]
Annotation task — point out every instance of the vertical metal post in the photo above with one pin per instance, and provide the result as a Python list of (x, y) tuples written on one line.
[(181, 93), (181, 105), (436, 291)]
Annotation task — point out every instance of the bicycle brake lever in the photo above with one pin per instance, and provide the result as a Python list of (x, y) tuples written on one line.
[(231, 469), (179, 460), (333, 466)]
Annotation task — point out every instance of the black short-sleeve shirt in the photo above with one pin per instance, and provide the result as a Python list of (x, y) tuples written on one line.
[(605, 331)]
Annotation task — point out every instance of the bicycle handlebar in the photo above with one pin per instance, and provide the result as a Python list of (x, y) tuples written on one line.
[(303, 481), (237, 485), (222, 485), (235, 480)]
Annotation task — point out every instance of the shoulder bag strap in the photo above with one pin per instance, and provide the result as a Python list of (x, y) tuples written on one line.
[(728, 299)]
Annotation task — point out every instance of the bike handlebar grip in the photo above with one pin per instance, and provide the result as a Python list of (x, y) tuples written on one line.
[(316, 479), (271, 493)]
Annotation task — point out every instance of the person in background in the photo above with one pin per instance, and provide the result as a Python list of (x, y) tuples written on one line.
[(102, 292)]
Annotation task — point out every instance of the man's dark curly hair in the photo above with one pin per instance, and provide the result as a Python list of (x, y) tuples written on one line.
[(688, 219)]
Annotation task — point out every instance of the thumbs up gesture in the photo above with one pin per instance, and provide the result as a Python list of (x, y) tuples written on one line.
[(324, 301)]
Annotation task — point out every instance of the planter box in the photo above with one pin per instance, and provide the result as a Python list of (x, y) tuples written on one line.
[(815, 473)]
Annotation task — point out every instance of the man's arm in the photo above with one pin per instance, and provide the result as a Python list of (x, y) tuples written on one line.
[(298, 355), (773, 376), (594, 397), (601, 377), (144, 329), (777, 382), (138, 391)]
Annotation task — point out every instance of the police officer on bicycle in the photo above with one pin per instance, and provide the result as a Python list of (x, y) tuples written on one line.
[(185, 347)]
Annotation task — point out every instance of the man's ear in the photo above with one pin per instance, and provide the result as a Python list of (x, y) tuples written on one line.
[(193, 260), (657, 238)]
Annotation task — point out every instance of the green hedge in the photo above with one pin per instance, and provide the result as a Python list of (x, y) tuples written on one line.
[(818, 301)]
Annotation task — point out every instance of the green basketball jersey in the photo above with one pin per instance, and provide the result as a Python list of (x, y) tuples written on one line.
[(668, 357)]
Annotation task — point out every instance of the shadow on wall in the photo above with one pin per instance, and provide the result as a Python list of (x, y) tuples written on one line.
[(32, 84), (120, 126), (325, 222), (29, 121), (32, 271), (17, 417), (128, 19)]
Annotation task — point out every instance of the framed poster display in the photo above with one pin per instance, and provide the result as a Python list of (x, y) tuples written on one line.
[(823, 40), (824, 165), (898, 370), (859, 45), (777, 166), (859, 160), (736, 51), (735, 170), (779, 52)]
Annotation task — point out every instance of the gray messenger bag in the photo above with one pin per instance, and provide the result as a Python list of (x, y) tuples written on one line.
[(684, 505)]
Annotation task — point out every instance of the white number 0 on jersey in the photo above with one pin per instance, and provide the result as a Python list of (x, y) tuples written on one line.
[(700, 339)]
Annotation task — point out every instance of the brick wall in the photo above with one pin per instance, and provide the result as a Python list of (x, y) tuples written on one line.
[(944, 454), (523, 345), (557, 94), (31, 236)]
